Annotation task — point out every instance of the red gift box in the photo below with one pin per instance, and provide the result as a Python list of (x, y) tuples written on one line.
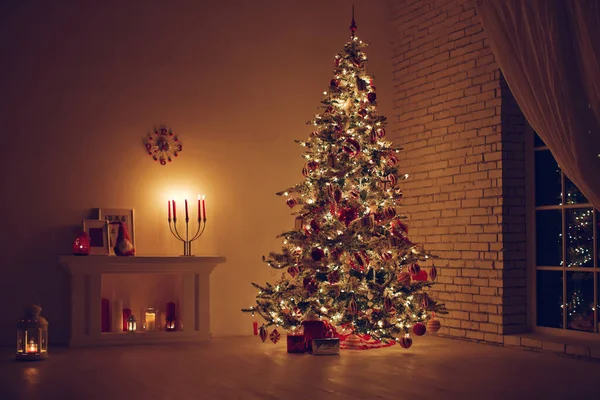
[(313, 330), (295, 344)]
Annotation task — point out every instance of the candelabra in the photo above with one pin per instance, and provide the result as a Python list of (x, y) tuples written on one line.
[(187, 242)]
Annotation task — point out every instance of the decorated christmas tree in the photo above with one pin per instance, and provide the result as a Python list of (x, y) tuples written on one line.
[(349, 261)]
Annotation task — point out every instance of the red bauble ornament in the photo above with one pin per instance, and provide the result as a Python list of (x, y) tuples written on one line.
[(380, 133), (334, 83), (274, 336), (433, 325), (399, 228), (389, 212), (310, 285), (367, 221), (392, 161), (317, 254), (361, 259), (414, 269), (81, 245), (263, 333), (419, 329), (405, 342), (386, 255), (392, 179), (420, 276), (433, 273), (403, 278), (371, 97), (373, 136), (312, 165), (314, 225), (351, 147), (305, 171), (362, 112)]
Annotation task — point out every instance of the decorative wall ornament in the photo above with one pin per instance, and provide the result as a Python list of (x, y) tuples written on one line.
[(163, 145)]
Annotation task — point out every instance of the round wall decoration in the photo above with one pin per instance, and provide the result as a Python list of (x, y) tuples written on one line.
[(163, 145)]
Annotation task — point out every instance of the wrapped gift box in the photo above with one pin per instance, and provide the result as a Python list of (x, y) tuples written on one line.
[(295, 344), (326, 346), (313, 330)]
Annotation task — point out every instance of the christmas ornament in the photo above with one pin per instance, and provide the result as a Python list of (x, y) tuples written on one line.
[(414, 269), (392, 161), (293, 271), (333, 276), (123, 247), (404, 278), (433, 273), (81, 245), (361, 258), (426, 303), (310, 285), (389, 212), (419, 329), (274, 336), (298, 223), (399, 228), (388, 304), (380, 133), (305, 171), (314, 225), (391, 178), (386, 255), (371, 97), (367, 221), (361, 84), (420, 276), (352, 307), (163, 145), (317, 254), (351, 146), (362, 112), (312, 165), (433, 325), (263, 333), (291, 202), (405, 342), (334, 83), (331, 160)]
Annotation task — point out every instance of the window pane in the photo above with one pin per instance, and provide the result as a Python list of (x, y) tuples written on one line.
[(580, 301), (572, 193), (548, 238), (549, 298), (580, 240), (537, 141), (547, 179), (598, 304)]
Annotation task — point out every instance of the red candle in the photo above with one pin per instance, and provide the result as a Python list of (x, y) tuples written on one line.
[(169, 208), (203, 208), (186, 211), (174, 211), (255, 327), (199, 214)]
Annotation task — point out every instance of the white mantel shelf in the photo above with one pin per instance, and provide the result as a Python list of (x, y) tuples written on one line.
[(86, 292)]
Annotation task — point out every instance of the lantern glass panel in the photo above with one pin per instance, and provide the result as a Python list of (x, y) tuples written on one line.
[(151, 320)]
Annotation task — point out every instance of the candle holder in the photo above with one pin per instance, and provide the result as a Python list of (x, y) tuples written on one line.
[(187, 242)]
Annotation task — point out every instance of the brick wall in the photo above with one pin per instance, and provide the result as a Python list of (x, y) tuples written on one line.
[(463, 148)]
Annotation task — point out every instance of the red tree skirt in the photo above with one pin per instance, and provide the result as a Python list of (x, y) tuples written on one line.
[(366, 341)]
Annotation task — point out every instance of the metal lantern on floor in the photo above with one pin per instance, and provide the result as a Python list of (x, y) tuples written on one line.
[(131, 324), (32, 335)]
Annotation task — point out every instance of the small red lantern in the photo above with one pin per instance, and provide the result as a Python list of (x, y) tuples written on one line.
[(81, 245)]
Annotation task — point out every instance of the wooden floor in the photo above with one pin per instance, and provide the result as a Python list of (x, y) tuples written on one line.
[(244, 368)]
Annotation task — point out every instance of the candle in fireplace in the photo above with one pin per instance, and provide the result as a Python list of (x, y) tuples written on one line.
[(150, 319)]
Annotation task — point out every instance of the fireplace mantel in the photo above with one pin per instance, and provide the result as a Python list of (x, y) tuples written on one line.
[(86, 287)]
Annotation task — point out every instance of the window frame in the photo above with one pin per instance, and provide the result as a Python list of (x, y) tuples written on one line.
[(531, 248)]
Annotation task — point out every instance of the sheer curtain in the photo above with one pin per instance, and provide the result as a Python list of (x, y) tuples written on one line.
[(549, 53)]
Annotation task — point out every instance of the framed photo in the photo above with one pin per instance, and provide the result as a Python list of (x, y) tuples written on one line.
[(97, 230), (113, 215)]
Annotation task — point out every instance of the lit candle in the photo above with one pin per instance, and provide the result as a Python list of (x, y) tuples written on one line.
[(203, 208), (186, 211), (199, 213), (150, 321), (174, 211), (32, 348), (169, 208)]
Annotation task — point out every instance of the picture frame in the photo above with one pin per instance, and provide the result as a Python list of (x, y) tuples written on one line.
[(125, 215), (97, 231)]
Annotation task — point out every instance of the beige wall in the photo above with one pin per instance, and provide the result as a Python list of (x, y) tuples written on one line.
[(80, 86)]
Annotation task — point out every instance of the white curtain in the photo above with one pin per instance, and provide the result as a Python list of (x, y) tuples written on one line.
[(549, 53)]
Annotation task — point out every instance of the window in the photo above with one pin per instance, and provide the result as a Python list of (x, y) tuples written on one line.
[(567, 249)]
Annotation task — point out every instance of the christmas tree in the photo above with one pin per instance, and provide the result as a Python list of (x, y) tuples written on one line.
[(348, 260)]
